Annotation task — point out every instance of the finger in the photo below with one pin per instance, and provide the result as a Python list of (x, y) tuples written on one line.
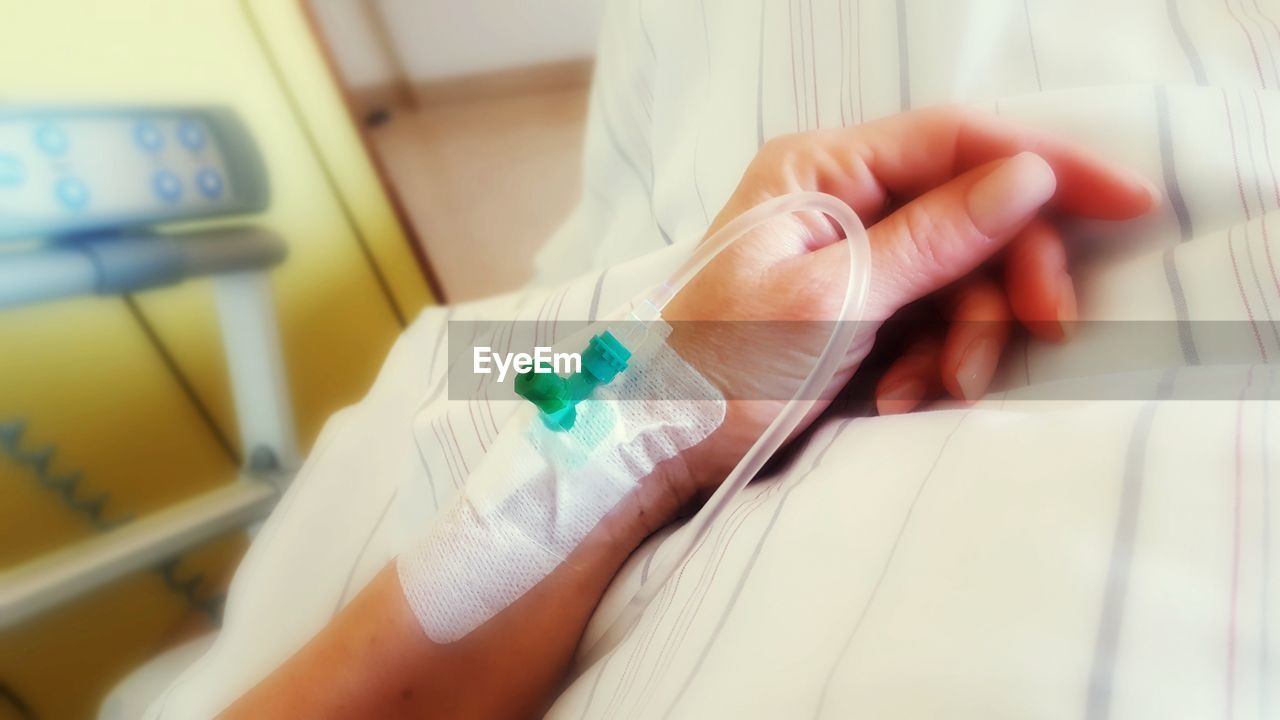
[(1040, 289), (904, 156), (946, 233), (976, 337), (912, 378), (961, 139)]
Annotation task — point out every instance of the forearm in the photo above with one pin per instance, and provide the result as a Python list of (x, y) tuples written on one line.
[(374, 660)]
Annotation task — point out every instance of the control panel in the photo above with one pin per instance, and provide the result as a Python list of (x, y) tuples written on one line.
[(67, 171)]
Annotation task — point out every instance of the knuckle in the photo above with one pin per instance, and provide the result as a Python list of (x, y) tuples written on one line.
[(782, 164), (922, 231), (777, 147)]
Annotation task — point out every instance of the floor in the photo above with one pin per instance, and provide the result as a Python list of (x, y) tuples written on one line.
[(486, 182)]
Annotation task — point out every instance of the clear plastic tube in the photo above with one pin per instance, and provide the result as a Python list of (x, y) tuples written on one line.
[(785, 423)]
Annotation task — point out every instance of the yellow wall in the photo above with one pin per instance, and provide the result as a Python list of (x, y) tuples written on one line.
[(80, 373)]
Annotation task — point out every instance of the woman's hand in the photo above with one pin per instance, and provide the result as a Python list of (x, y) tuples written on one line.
[(942, 193)]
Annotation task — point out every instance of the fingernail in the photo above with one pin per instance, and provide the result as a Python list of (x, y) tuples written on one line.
[(1010, 194), (1068, 311), (900, 397), (977, 365)]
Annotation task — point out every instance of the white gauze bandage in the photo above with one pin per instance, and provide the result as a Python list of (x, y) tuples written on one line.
[(538, 492)]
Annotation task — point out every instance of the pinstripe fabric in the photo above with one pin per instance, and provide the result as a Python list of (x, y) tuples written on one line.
[(1101, 675)]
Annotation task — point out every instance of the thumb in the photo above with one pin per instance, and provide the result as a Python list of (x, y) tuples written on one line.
[(946, 233)]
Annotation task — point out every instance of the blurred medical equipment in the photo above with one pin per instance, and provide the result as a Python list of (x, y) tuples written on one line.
[(71, 171), (80, 192)]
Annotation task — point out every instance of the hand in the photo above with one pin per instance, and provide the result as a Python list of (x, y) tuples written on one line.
[(941, 192)]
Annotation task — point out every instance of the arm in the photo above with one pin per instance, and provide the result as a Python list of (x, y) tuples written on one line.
[(374, 660)]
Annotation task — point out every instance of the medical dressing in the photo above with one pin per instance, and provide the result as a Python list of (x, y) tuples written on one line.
[(549, 478)]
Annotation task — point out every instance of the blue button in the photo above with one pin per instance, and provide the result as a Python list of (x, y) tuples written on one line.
[(192, 135), (148, 137), (210, 183), (12, 172), (167, 186), (72, 194), (51, 139)]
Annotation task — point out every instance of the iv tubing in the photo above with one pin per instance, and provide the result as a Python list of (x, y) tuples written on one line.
[(837, 347)]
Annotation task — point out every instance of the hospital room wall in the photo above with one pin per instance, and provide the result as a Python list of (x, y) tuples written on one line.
[(438, 39), (82, 377), (442, 38)]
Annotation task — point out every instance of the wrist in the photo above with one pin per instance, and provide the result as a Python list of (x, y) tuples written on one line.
[(657, 500)]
